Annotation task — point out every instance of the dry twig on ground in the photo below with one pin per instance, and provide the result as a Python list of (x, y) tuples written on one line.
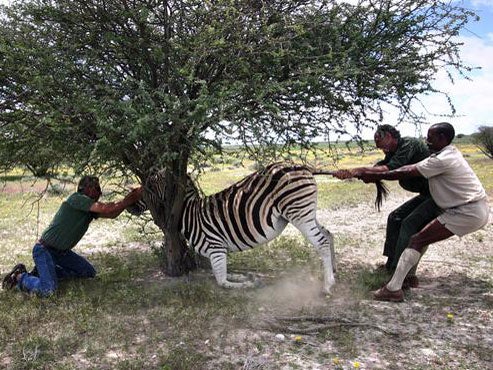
[(315, 324)]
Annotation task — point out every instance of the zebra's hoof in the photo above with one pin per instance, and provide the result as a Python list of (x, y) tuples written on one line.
[(325, 295), (326, 292), (257, 283)]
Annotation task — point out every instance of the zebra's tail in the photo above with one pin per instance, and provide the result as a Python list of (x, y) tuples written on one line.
[(382, 193), (382, 190)]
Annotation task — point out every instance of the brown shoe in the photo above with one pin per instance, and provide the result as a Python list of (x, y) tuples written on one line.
[(410, 282), (383, 294), (10, 280)]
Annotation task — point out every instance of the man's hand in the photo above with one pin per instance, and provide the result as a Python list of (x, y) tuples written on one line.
[(134, 195), (343, 174), (403, 172), (368, 177)]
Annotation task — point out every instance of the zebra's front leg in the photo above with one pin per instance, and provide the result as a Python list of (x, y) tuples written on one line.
[(219, 268)]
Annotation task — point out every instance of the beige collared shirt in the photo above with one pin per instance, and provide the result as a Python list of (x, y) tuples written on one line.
[(451, 180)]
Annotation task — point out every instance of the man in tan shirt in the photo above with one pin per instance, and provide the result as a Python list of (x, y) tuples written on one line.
[(455, 188)]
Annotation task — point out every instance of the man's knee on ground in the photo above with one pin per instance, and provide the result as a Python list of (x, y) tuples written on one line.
[(45, 293), (91, 273)]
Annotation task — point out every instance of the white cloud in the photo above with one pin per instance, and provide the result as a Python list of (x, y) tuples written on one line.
[(478, 51), (472, 99), (480, 3)]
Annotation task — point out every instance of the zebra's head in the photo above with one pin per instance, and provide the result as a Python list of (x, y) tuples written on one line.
[(155, 192)]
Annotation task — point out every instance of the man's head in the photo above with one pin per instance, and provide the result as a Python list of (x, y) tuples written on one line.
[(439, 136), (386, 138), (89, 185)]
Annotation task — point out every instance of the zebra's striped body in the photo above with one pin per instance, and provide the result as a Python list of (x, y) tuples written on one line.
[(252, 212)]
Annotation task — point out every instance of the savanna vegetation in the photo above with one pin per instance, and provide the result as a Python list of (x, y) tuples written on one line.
[(123, 88), (130, 87), (132, 316), (484, 140)]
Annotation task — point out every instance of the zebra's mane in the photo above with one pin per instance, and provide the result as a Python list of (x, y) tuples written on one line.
[(193, 187)]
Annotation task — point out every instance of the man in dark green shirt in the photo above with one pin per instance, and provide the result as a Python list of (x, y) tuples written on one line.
[(411, 216), (52, 254)]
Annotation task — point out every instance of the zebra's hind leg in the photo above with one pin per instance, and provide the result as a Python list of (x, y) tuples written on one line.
[(330, 237), (219, 268), (323, 242)]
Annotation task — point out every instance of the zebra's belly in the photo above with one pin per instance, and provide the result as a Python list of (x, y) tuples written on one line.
[(279, 224)]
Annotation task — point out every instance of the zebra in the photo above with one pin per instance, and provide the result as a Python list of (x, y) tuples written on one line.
[(249, 213)]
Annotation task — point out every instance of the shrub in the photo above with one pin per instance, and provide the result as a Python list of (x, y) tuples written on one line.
[(483, 139)]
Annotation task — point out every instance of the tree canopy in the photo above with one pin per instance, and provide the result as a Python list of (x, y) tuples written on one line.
[(136, 85)]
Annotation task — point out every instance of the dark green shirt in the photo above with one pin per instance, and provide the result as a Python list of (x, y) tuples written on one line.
[(409, 151), (70, 222)]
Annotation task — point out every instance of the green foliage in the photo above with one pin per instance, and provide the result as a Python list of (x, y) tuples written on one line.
[(138, 85)]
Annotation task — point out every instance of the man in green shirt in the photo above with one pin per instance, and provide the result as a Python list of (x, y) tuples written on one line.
[(52, 254), (411, 216)]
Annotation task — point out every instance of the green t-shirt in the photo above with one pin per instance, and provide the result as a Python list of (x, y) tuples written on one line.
[(70, 222), (409, 151)]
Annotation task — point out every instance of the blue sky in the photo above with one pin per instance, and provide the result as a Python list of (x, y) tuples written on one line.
[(473, 100), (483, 8)]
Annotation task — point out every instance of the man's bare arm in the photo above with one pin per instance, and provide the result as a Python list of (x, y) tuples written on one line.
[(400, 173), (113, 209), (356, 172)]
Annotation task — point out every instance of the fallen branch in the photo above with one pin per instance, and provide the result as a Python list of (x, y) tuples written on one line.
[(324, 322)]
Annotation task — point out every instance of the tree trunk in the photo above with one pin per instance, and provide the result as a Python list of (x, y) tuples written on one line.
[(176, 257)]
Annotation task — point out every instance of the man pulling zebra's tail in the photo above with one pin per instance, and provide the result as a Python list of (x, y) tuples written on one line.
[(460, 201)]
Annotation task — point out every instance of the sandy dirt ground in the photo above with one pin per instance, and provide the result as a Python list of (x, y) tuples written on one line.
[(446, 323)]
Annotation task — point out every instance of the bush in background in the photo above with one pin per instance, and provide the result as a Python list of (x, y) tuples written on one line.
[(484, 140)]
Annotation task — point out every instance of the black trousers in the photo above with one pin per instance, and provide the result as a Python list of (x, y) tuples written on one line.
[(406, 221)]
